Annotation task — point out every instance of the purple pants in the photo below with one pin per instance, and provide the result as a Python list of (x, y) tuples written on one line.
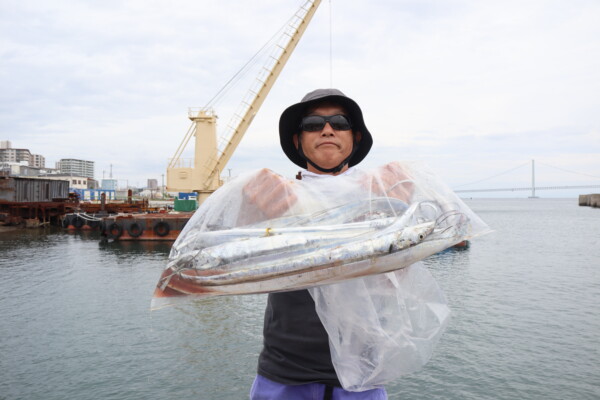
[(265, 389)]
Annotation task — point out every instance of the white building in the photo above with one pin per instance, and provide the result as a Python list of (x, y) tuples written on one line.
[(37, 161), (75, 181), (76, 167), (23, 156), (15, 155), (108, 184), (17, 169), (152, 184)]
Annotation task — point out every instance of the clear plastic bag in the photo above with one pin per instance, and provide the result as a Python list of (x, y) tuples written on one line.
[(382, 327), (264, 233)]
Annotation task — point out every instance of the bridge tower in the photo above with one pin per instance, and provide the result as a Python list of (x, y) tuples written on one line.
[(533, 196)]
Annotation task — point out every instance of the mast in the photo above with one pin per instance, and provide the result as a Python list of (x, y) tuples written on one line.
[(210, 157)]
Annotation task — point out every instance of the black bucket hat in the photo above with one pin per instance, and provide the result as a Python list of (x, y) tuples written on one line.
[(289, 124)]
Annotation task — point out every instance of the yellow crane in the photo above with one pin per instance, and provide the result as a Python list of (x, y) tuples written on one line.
[(210, 158)]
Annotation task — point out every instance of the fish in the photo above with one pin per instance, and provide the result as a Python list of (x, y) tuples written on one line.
[(360, 210), (225, 239), (378, 210), (344, 221), (254, 260), (209, 249), (299, 271), (322, 258)]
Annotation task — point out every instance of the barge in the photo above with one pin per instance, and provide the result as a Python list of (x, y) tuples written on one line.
[(31, 202), (161, 226)]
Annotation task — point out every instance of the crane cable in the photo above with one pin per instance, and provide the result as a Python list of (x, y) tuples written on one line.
[(246, 67), (330, 48)]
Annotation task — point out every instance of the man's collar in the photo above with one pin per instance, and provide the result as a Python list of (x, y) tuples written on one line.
[(311, 175)]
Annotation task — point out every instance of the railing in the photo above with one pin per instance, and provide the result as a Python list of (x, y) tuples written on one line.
[(194, 112), (181, 162)]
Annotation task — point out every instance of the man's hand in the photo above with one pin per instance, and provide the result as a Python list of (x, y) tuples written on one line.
[(270, 193), (391, 180)]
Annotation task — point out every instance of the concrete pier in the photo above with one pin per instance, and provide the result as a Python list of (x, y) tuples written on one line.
[(591, 200)]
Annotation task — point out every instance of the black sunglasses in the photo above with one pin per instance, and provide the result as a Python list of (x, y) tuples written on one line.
[(315, 123)]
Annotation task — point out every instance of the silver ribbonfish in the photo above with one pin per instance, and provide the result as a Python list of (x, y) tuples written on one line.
[(296, 258)]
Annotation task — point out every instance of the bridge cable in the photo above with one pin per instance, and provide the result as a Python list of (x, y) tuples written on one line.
[(566, 170), (494, 176)]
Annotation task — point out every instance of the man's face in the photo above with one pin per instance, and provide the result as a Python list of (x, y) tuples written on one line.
[(328, 147)]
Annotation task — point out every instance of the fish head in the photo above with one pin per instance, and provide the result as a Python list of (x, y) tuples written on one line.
[(411, 236), (417, 233)]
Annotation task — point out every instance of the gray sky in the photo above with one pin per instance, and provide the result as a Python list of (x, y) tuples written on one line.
[(474, 88)]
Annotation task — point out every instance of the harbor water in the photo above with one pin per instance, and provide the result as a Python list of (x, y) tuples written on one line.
[(75, 319)]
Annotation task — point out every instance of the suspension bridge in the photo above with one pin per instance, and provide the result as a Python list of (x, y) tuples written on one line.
[(533, 188)]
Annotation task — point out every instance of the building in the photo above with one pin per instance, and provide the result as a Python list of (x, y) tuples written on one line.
[(20, 189), (108, 184), (37, 161), (18, 169), (76, 167), (15, 156), (22, 156), (95, 194), (75, 181)]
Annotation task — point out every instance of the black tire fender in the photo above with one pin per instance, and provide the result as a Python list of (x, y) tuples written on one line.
[(162, 228), (78, 222), (135, 230), (115, 231)]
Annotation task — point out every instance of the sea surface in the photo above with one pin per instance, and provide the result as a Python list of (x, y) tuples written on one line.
[(75, 319)]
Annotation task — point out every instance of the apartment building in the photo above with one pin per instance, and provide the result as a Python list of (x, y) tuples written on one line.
[(76, 167), (37, 161), (20, 156), (15, 155)]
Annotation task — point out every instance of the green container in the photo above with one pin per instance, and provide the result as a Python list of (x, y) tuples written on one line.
[(185, 205)]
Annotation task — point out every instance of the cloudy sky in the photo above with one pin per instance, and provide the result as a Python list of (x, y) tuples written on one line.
[(476, 89)]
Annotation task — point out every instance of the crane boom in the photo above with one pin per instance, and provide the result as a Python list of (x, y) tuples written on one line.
[(209, 158), (265, 85)]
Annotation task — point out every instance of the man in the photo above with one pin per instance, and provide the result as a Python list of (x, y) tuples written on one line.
[(325, 134)]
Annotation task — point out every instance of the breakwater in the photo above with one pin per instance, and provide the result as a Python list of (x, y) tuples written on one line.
[(591, 200)]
